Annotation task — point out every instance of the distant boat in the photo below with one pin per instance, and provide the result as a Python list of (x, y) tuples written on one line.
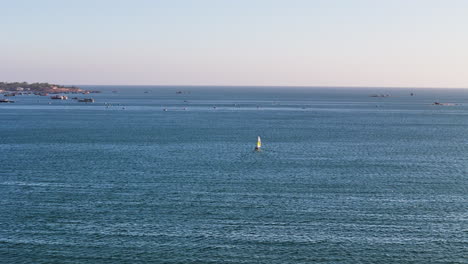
[(259, 144), (59, 97), (86, 100)]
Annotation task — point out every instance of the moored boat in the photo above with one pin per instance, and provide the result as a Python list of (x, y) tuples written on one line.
[(86, 100), (59, 97)]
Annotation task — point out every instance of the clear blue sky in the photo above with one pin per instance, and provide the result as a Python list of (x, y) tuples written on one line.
[(417, 43)]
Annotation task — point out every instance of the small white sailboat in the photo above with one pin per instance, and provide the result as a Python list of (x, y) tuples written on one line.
[(259, 144)]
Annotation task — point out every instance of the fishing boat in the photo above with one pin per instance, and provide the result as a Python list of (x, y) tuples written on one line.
[(259, 144)]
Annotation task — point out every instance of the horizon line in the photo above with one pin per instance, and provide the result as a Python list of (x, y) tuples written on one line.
[(274, 86), (253, 86)]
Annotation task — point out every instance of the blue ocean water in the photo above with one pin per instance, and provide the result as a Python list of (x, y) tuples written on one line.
[(342, 177)]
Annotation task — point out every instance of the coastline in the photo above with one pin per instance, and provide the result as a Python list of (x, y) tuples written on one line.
[(39, 89)]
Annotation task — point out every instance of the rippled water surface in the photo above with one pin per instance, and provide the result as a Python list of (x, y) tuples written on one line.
[(343, 177)]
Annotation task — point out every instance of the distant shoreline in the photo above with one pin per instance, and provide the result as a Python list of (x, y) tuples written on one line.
[(40, 88)]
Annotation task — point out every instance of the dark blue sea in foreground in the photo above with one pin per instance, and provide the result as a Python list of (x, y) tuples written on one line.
[(342, 178)]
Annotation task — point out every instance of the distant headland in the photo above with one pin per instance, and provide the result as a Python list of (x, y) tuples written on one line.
[(40, 88)]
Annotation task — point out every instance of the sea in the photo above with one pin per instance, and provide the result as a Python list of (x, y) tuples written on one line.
[(168, 174)]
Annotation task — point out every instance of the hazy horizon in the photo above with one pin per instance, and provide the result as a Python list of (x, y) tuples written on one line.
[(299, 43), (266, 86)]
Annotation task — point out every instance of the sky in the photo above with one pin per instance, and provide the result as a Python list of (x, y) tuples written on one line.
[(376, 43)]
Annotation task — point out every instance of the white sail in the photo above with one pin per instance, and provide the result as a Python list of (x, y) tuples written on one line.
[(259, 143)]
